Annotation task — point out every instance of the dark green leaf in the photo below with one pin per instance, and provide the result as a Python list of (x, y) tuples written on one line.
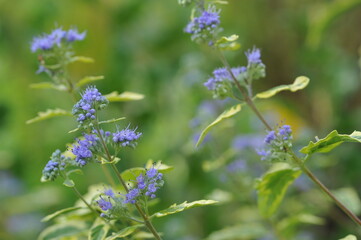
[(331, 141)]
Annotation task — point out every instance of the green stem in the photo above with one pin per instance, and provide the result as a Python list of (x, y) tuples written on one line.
[(147, 222), (299, 162)]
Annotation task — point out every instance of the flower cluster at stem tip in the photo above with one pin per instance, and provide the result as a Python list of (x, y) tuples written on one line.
[(277, 141), (147, 185), (56, 164), (126, 137), (205, 26), (85, 109), (55, 38)]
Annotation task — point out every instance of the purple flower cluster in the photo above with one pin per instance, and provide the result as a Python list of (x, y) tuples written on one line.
[(147, 184), (277, 141), (104, 204), (208, 20), (91, 101), (253, 56), (83, 150), (126, 137), (48, 41), (222, 74), (56, 164)]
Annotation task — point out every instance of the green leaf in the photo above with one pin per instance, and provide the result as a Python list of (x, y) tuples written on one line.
[(68, 183), (132, 173), (124, 97), (300, 83), (88, 79), (349, 198), (241, 231), (161, 167), (112, 120), (124, 232), (114, 161), (331, 141), (349, 237), (82, 59), (219, 162), (50, 113), (227, 43), (272, 187), (58, 213), (77, 171), (226, 114), (62, 230), (46, 85), (98, 231), (290, 225), (181, 207)]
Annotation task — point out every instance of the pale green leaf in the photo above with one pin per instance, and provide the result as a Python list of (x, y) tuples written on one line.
[(183, 206), (123, 97), (349, 237), (68, 183), (82, 59), (272, 187), (50, 113), (231, 38), (115, 160), (99, 230), (77, 171), (124, 232), (143, 235), (47, 85), (226, 114), (300, 83), (241, 231), (58, 213), (331, 141), (349, 198), (112, 120), (88, 79), (62, 230), (227, 43)]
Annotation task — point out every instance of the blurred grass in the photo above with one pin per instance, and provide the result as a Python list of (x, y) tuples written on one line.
[(140, 46)]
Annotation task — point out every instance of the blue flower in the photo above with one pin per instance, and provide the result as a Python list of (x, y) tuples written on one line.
[(126, 137), (73, 35), (270, 137), (109, 192), (253, 56), (56, 164), (131, 196), (285, 131), (83, 149), (91, 101), (104, 204), (222, 75), (41, 43)]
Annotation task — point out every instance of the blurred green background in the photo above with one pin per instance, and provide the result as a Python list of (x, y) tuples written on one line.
[(140, 46)]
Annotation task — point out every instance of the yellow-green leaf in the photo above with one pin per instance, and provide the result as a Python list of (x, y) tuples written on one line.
[(161, 167), (226, 114), (183, 206), (50, 113), (88, 79), (300, 83), (58, 213), (272, 187), (331, 141), (228, 43), (112, 120), (45, 85), (124, 97), (124, 232), (63, 230), (82, 59), (99, 230)]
